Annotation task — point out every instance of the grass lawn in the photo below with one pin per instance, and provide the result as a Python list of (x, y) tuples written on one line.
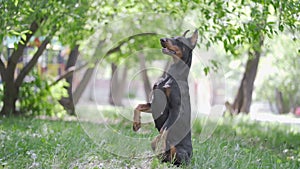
[(235, 143)]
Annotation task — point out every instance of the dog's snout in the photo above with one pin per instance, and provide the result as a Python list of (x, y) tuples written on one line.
[(163, 40)]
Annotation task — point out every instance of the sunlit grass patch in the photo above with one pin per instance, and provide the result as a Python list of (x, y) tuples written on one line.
[(241, 143), (235, 143)]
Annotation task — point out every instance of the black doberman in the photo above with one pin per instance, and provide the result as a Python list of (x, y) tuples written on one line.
[(170, 105)]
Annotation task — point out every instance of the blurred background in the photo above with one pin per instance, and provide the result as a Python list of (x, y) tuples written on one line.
[(103, 57)]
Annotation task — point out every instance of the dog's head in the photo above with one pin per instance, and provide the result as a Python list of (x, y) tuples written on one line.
[(180, 46)]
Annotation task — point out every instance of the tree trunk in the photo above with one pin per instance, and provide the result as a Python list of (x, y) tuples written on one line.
[(271, 106), (10, 98), (10, 85), (67, 102), (146, 81), (83, 83), (115, 92), (117, 85), (10, 92), (112, 80), (87, 75), (279, 101), (122, 84), (243, 99)]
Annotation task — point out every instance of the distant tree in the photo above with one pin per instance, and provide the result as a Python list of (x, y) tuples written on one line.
[(281, 86), (242, 27), (25, 19)]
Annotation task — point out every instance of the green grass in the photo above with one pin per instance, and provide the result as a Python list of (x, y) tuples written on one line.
[(236, 143)]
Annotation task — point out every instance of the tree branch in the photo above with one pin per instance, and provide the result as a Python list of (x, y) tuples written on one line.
[(117, 48), (68, 73), (71, 70), (15, 56), (32, 62)]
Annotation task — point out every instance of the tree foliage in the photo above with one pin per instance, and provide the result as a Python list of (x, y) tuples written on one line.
[(39, 97), (239, 26), (26, 19), (241, 23), (283, 77)]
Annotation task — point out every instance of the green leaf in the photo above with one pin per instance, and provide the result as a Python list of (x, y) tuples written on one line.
[(281, 28), (23, 37), (13, 32), (16, 45), (26, 31), (206, 70), (207, 45), (215, 63), (225, 45)]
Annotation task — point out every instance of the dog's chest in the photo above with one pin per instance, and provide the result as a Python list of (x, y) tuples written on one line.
[(164, 83)]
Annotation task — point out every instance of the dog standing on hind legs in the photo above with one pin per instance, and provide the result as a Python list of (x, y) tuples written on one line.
[(170, 106)]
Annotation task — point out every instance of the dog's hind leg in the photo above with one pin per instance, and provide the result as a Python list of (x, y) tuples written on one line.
[(137, 115)]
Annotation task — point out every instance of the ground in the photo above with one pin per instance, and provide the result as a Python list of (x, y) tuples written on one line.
[(235, 143)]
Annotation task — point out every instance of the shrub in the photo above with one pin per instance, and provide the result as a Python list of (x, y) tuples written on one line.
[(39, 96)]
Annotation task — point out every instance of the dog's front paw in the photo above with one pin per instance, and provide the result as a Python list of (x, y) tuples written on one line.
[(136, 126)]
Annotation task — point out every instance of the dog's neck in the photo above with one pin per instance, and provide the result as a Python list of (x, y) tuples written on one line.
[(180, 69)]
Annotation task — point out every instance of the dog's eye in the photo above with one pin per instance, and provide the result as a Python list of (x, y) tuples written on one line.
[(178, 41)]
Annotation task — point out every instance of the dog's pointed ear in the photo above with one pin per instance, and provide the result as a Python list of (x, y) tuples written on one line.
[(193, 39), (185, 33)]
